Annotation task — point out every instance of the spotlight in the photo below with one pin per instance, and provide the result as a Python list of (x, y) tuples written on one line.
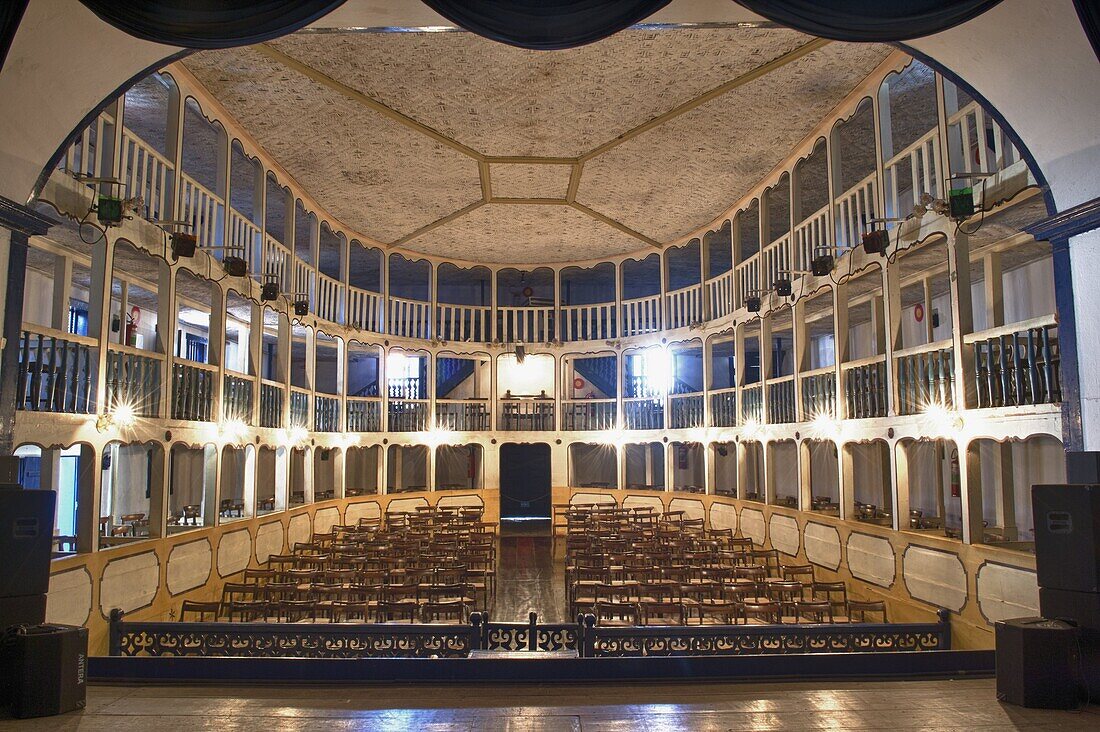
[(108, 210), (782, 286), (301, 306), (235, 266), (269, 290), (822, 264), (961, 202), (521, 352), (752, 303), (122, 416), (183, 244), (876, 241)]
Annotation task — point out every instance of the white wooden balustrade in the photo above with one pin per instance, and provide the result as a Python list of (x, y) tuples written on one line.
[(203, 210), (275, 261), (748, 278), (720, 294), (776, 260), (588, 322), (912, 172), (330, 298), (526, 324), (811, 237), (462, 322), (641, 315), (147, 174), (84, 157), (855, 206), (244, 238), (365, 310), (409, 318), (685, 306)]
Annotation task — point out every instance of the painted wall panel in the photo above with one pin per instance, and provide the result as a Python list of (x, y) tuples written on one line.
[(189, 566), (692, 507), (723, 516), (234, 552), (871, 558), (269, 540), (69, 600), (822, 545), (298, 531), (129, 583), (1007, 592), (935, 577), (752, 525), (366, 509), (325, 519), (785, 534)]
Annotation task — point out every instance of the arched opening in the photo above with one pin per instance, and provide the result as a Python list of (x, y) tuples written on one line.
[(592, 465)]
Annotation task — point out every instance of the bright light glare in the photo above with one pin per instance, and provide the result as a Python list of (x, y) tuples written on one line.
[(123, 415), (941, 420), (436, 437), (296, 435), (654, 367), (826, 425), (233, 429)]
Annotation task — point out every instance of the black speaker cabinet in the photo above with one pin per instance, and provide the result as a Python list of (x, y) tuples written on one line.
[(47, 667), (26, 537), (1067, 530), (1037, 663), (22, 610)]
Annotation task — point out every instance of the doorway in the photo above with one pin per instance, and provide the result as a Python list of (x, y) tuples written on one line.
[(525, 482)]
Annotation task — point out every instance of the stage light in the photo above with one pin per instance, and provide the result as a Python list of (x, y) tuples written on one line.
[(235, 266), (121, 416), (752, 303)]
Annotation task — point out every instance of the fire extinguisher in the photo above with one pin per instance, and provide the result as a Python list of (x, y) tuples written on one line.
[(132, 320), (956, 482)]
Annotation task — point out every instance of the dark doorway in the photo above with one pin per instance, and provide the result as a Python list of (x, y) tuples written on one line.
[(525, 482)]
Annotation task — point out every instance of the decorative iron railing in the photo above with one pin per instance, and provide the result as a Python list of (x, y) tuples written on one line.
[(529, 636)]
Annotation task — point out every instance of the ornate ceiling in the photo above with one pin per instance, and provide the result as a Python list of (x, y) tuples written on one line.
[(452, 145)]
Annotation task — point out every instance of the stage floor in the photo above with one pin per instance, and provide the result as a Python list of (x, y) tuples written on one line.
[(938, 705), (529, 576)]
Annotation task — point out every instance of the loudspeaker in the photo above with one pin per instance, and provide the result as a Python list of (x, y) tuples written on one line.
[(22, 610), (26, 537), (1080, 608), (47, 670), (1067, 527), (1037, 663)]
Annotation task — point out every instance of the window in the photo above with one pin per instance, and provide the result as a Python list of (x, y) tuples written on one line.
[(78, 317), (652, 373), (403, 376), (195, 348)]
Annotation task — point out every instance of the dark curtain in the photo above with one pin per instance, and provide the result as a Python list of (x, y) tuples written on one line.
[(11, 12), (1089, 13), (870, 20), (210, 23), (546, 24)]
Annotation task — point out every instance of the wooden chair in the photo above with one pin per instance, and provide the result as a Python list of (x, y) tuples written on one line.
[(761, 612), (389, 612), (803, 573), (836, 594), (454, 612), (243, 602), (662, 613), (813, 611), (858, 610), (617, 614), (202, 612)]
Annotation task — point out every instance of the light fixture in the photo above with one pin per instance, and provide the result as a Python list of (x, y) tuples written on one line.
[(961, 200), (296, 435), (943, 421), (269, 290), (300, 303), (182, 243), (822, 264), (752, 303), (782, 286)]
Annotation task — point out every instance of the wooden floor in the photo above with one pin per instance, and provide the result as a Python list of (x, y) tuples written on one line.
[(926, 705), (529, 577)]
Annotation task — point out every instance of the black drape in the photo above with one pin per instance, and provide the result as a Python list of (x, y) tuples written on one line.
[(546, 24), (11, 12), (869, 20), (1089, 13), (210, 23)]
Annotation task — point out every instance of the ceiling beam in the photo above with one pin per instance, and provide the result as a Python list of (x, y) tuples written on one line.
[(762, 70), (616, 224), (438, 222), (355, 95)]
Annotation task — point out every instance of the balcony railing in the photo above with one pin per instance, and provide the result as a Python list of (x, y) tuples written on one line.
[(854, 206), (723, 408), (365, 310), (685, 306), (193, 391), (819, 393), (588, 322), (720, 294), (865, 391), (330, 298), (641, 315), (55, 372), (299, 407), (134, 378), (275, 261), (148, 175), (525, 324), (462, 323), (237, 398), (408, 318), (203, 209), (912, 172), (408, 415), (685, 411), (926, 377), (589, 414), (462, 415), (811, 236), (523, 415), (644, 413), (271, 405), (781, 402), (1017, 366), (326, 413), (752, 403), (364, 414)]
